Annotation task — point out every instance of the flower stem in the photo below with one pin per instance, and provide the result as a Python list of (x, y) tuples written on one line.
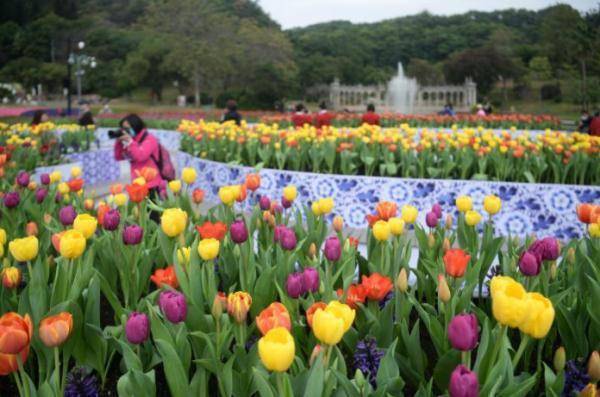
[(18, 382), (23, 376), (57, 370), (499, 341), (519, 353)]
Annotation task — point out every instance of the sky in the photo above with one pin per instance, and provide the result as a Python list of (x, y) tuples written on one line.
[(296, 13)]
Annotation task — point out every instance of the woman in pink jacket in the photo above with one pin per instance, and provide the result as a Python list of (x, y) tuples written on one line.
[(141, 149)]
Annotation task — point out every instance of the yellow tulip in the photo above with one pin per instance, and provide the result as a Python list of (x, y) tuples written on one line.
[(120, 199), (228, 194), (326, 205), (55, 176), (63, 188), (189, 175), (509, 304), (539, 316), (72, 244), (183, 255), (277, 349), (208, 248), (86, 224), (24, 249), (2, 236), (175, 186), (316, 208), (140, 180), (76, 172), (173, 221), (290, 192), (472, 218), (409, 214), (396, 226), (330, 324), (492, 204), (594, 230), (464, 203), (381, 230)]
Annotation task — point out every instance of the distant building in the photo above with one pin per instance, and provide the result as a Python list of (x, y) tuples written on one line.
[(401, 94)]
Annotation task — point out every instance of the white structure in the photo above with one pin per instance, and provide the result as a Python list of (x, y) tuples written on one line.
[(402, 95)]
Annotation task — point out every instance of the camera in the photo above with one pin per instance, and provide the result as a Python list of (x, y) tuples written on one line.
[(114, 134)]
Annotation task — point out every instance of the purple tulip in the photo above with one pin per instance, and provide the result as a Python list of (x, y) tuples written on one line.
[(264, 203), (111, 220), (310, 279), (530, 264), (40, 195), (23, 178), (45, 179), (132, 235), (58, 197), (137, 328), (277, 232), (332, 248), (67, 215), (437, 210), (288, 239), (295, 285), (551, 249), (238, 232), (12, 199), (463, 383), (463, 332), (431, 219), (285, 203), (173, 306)]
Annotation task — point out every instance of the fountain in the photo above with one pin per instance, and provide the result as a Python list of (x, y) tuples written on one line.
[(401, 92)]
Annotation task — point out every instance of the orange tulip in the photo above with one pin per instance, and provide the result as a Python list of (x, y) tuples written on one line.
[(31, 229), (102, 210), (15, 333), (312, 310), (377, 286), (116, 189), (198, 196), (148, 173), (75, 184), (253, 181), (456, 261), (356, 293), (56, 240), (215, 230), (167, 276), (11, 277), (137, 193), (243, 193), (275, 315), (238, 305), (55, 330), (386, 210), (584, 211)]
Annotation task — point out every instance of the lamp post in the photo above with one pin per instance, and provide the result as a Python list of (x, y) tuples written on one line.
[(80, 61)]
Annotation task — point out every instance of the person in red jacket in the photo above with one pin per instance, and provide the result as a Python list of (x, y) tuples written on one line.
[(370, 117), (300, 117), (324, 117), (595, 125)]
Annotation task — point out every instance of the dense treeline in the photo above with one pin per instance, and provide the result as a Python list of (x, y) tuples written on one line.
[(212, 49)]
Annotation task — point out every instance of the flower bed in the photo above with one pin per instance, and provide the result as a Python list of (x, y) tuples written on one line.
[(474, 154), (222, 302)]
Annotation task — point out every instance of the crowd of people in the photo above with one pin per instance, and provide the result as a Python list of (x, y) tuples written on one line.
[(589, 123)]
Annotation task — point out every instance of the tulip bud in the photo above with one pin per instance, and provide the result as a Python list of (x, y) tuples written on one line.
[(219, 305), (402, 281), (463, 332), (137, 328), (443, 290), (553, 270), (295, 285), (332, 249), (238, 305), (338, 223), (11, 277), (47, 218), (31, 229), (571, 255), (594, 367), (173, 306), (315, 354), (310, 279), (449, 221), (312, 250), (560, 357), (431, 240), (463, 382), (446, 245), (88, 204)]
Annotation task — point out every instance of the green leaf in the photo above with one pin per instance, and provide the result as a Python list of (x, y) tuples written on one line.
[(174, 371), (444, 367), (316, 378), (261, 383)]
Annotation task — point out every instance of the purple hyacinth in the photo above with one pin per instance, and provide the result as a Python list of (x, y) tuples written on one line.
[(81, 382), (576, 378), (367, 357), (12, 199), (386, 299)]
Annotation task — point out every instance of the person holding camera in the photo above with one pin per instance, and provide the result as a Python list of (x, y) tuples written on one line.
[(135, 144)]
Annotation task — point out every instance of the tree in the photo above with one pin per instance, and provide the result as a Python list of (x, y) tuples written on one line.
[(425, 72), (540, 68), (559, 34)]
